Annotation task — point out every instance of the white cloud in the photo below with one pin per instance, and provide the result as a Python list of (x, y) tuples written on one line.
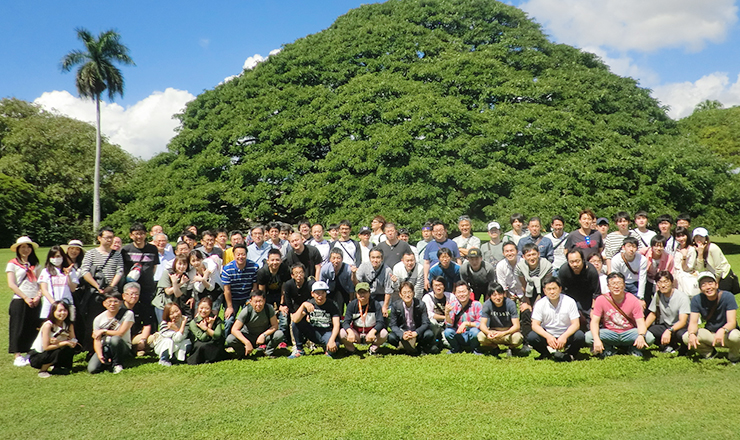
[(642, 25), (683, 97), (143, 129), (250, 63)]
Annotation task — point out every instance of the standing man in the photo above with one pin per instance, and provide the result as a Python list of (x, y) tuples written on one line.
[(557, 237), (478, 274), (165, 257), (318, 241), (393, 248), (273, 231), (634, 267), (445, 268), (556, 324), (338, 275), (259, 249), (365, 244), (208, 246), (466, 240), (535, 236), (493, 250), (585, 238), (718, 309), (236, 237), (309, 256), (350, 248), (378, 276), (426, 237), (665, 223), (238, 279), (439, 232), (140, 260), (408, 271), (644, 234)]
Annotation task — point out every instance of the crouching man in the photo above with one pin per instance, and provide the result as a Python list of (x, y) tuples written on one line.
[(463, 320), (256, 328), (556, 325), (316, 320), (499, 321), (410, 323), (718, 309), (363, 322)]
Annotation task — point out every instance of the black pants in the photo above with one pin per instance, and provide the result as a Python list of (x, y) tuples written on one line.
[(207, 352), (59, 358), (576, 341), (676, 337), (24, 326), (424, 341)]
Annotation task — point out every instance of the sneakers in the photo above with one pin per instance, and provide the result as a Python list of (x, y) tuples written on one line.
[(711, 355), (297, 354), (282, 345), (372, 351), (668, 349), (20, 361), (509, 353), (262, 347), (329, 354), (44, 374), (525, 350), (559, 356), (635, 352), (162, 362), (117, 369)]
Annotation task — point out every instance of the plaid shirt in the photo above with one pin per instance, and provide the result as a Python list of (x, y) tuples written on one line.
[(471, 313)]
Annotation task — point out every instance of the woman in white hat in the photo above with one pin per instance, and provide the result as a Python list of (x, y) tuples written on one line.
[(710, 258), (23, 272)]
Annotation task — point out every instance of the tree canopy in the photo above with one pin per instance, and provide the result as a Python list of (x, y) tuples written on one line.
[(715, 128), (46, 173), (419, 109)]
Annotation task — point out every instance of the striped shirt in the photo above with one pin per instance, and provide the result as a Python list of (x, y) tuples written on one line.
[(240, 280), (95, 260)]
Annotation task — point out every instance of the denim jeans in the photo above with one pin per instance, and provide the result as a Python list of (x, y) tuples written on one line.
[(612, 339), (468, 338)]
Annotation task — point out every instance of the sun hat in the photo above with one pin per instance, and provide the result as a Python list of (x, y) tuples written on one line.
[(23, 240), (72, 243)]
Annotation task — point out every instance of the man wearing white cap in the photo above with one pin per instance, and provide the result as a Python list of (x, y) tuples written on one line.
[(316, 320), (718, 309), (492, 250)]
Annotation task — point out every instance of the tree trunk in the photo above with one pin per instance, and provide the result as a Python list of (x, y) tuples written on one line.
[(96, 184)]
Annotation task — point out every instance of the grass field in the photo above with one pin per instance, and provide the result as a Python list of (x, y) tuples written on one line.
[(394, 397)]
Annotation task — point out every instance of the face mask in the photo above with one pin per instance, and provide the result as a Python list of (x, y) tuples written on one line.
[(56, 261)]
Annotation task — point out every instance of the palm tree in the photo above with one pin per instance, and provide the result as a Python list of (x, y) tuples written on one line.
[(96, 74)]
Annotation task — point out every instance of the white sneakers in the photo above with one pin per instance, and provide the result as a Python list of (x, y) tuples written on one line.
[(117, 369), (21, 361)]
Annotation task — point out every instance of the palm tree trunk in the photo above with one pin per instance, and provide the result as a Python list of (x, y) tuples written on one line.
[(96, 184)]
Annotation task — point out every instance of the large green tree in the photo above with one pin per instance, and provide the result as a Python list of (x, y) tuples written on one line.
[(46, 167), (97, 73), (431, 108), (715, 128)]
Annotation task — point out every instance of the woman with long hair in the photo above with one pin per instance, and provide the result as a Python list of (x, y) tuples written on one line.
[(709, 257), (58, 280), (174, 287), (22, 272), (55, 343), (172, 344), (684, 260), (207, 333)]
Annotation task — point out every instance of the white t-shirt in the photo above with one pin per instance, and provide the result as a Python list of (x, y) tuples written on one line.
[(58, 287), (102, 321), (555, 320), (30, 288)]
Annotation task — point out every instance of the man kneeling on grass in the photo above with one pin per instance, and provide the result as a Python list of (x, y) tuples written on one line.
[(410, 323), (316, 320), (256, 327), (556, 325), (719, 310), (363, 322), (463, 320), (111, 335), (499, 321), (624, 325)]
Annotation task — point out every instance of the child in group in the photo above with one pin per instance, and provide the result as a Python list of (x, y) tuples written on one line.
[(172, 344), (55, 343)]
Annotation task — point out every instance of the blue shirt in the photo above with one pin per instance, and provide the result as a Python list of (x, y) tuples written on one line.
[(258, 254), (545, 246), (451, 274), (240, 280), (430, 253)]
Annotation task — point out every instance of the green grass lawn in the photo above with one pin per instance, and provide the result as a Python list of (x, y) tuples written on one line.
[(394, 397)]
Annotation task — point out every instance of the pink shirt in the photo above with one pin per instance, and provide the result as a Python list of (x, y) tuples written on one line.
[(611, 318), (654, 266)]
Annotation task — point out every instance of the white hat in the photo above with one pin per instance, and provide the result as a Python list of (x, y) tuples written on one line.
[(700, 231), (72, 243), (493, 225), (706, 275), (319, 285), (23, 240)]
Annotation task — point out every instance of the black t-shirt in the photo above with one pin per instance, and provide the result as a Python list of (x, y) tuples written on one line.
[(215, 251), (310, 257), (146, 257), (294, 296), (584, 287), (393, 254), (273, 282), (322, 314), (143, 316)]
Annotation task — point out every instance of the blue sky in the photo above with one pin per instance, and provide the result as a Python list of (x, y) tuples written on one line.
[(686, 51)]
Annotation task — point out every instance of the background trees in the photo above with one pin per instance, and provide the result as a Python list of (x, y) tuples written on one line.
[(46, 174), (428, 108), (96, 74)]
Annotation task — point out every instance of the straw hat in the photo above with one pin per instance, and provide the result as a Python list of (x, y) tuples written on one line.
[(72, 243), (23, 240)]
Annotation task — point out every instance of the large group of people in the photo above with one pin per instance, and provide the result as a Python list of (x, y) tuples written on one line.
[(220, 295)]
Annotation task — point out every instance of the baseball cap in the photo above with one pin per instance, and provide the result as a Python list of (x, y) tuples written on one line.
[(494, 225)]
